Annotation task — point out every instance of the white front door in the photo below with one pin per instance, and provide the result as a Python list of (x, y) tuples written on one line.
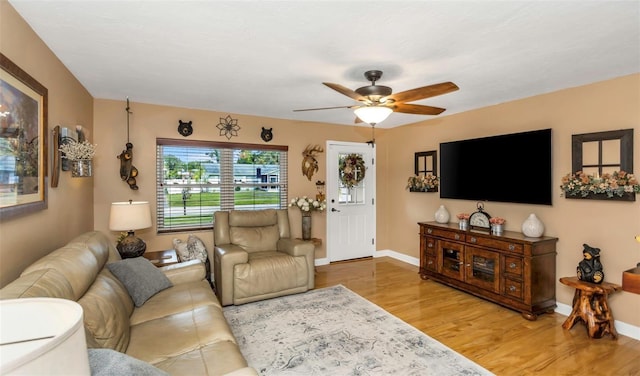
[(351, 204)]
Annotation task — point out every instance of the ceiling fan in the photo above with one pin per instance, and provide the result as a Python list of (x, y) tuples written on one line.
[(377, 101)]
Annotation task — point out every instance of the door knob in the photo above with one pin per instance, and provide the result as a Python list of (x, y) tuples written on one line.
[(334, 210)]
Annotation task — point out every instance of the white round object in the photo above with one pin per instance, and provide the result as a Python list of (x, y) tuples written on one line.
[(42, 336), (442, 215), (532, 227)]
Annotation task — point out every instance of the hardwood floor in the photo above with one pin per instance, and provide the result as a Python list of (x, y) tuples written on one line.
[(497, 338)]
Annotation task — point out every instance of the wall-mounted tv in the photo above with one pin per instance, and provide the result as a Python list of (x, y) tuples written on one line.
[(506, 168)]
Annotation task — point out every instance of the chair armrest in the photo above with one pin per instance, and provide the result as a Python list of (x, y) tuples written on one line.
[(225, 257), (296, 247), (185, 272)]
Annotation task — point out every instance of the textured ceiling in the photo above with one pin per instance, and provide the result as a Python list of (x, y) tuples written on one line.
[(268, 58)]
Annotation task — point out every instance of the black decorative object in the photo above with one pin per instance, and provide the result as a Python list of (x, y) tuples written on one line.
[(266, 134), (480, 218), (131, 246), (185, 128), (228, 127), (128, 171), (590, 268)]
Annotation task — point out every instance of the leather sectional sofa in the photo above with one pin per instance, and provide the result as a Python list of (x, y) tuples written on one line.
[(181, 330)]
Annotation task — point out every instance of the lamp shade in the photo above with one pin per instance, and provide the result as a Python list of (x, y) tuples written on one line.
[(42, 336), (129, 216), (373, 114)]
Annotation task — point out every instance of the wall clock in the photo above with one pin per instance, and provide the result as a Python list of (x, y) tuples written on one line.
[(480, 218), (185, 128), (266, 134)]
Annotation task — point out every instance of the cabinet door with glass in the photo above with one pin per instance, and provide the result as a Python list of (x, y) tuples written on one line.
[(483, 268), (451, 259)]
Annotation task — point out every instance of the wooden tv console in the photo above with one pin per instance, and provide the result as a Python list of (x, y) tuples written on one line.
[(509, 269)]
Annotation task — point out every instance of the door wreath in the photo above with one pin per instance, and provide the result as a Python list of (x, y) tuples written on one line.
[(351, 170)]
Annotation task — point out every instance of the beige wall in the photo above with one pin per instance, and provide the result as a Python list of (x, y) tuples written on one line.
[(608, 225), (148, 122), (70, 205), (79, 205)]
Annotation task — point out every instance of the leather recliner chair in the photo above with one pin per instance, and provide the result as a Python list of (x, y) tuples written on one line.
[(255, 258)]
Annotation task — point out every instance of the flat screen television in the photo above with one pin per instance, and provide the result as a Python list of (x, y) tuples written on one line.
[(506, 168)]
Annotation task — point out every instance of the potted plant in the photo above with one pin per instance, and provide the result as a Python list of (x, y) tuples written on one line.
[(80, 154)]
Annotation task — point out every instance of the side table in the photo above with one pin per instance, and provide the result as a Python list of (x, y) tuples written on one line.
[(591, 306), (162, 258)]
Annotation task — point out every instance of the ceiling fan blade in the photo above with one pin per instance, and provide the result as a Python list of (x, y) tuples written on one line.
[(323, 108), (417, 109), (423, 92), (345, 91), (357, 121)]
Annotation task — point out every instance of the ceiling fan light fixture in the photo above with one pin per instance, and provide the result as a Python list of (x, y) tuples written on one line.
[(373, 114)]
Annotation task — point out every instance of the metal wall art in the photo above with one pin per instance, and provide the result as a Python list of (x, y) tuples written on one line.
[(185, 128), (228, 127), (128, 171)]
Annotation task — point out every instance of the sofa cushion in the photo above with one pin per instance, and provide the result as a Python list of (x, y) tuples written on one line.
[(45, 283), (141, 279), (107, 362), (218, 358), (255, 239), (163, 338), (192, 249), (106, 310), (180, 298), (266, 272)]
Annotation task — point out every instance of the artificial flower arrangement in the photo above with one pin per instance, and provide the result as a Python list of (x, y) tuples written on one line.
[(352, 170), (422, 183), (75, 151), (497, 221), (307, 204), (617, 183), (463, 216)]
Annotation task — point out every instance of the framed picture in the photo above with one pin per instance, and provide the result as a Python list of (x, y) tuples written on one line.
[(23, 142)]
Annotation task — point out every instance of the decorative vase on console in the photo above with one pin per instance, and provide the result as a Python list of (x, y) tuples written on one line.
[(532, 227), (442, 215)]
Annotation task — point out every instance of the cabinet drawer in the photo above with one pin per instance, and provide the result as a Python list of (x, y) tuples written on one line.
[(513, 265), (494, 243), (453, 235), (431, 262), (430, 245), (513, 288)]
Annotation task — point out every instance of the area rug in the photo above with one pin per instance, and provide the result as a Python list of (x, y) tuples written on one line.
[(334, 331)]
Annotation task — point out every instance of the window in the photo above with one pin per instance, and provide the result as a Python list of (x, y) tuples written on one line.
[(197, 178)]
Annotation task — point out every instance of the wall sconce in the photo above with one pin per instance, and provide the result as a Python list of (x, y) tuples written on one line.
[(130, 216)]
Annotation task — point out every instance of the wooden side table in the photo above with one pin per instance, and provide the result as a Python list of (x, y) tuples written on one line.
[(162, 258), (590, 305)]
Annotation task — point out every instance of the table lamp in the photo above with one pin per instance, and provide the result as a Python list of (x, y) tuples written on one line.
[(130, 216)]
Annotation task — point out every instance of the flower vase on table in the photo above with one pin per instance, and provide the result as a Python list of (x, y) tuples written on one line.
[(306, 225), (306, 206)]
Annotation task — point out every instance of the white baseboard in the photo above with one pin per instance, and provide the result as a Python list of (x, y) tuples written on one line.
[(623, 328)]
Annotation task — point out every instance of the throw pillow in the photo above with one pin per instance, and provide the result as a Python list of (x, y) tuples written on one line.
[(193, 249), (107, 362), (141, 279)]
